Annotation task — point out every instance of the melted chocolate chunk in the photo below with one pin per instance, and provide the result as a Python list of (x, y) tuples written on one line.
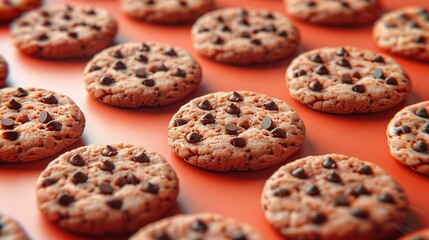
[(45, 117), (329, 163), (271, 105), (54, 126), (207, 119), (109, 151), (278, 133), (148, 82), (178, 72), (318, 218), (50, 99), (235, 97), (281, 192), (365, 169), (79, 177), (13, 104), (199, 226), (10, 135), (233, 109), (315, 86), (105, 188), (238, 142), (312, 190), (391, 81), (193, 137), (180, 122), (268, 124), (49, 181), (299, 173), (66, 200), (107, 165), (77, 160), (205, 105), (141, 157), (333, 177), (6, 123), (106, 80), (231, 129), (321, 70), (151, 188), (358, 88)]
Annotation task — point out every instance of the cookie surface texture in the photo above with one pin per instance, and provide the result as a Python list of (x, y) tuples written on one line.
[(11, 9), (11, 229), (333, 196), (3, 68), (408, 137), (64, 31), (166, 11), (347, 80), (244, 36), (228, 131), (142, 74), (404, 32), (37, 123), (100, 189), (327, 12), (197, 226)]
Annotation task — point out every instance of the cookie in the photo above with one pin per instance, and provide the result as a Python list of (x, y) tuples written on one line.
[(142, 74), (347, 80), (244, 36), (64, 31), (333, 196), (235, 131), (37, 123), (11, 230), (408, 137), (3, 68), (166, 11), (197, 226), (404, 32), (328, 12), (101, 189), (418, 235), (11, 9)]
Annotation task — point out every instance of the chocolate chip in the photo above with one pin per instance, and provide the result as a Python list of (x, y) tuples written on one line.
[(318, 218), (315, 86), (404, 16), (402, 130), (299, 73), (66, 17), (244, 22), (316, 58), (150, 2), (329, 163), (414, 25), (10, 135), (105, 188), (90, 12), (281, 192), (73, 35), (341, 200), (43, 37), (205, 105), (269, 16), (54, 126), (321, 70), (231, 129), (114, 203), (359, 213), (77, 160), (148, 82), (217, 40), (233, 109), (159, 67), (283, 33), (271, 28), (45, 117), (50, 99), (239, 236), (365, 169), (425, 128), (144, 48), (109, 151), (360, 190), (268, 124), (13, 104), (379, 59), (162, 236), (346, 78), (207, 119), (420, 39), (20, 92), (94, 68), (170, 52), (344, 63), (387, 198), (219, 19), (183, 3), (235, 97), (333, 177), (342, 52), (278, 133), (312, 190), (47, 23), (421, 112), (271, 105), (119, 66), (243, 13), (256, 42), (201, 30), (299, 173), (420, 146), (49, 181), (390, 25), (131, 179), (193, 137), (180, 122), (199, 226), (107, 165), (378, 73), (358, 88), (356, 75), (117, 54), (79, 177), (345, 4), (226, 29), (151, 188), (141, 73), (45, 13), (6, 123), (311, 4), (238, 142), (66, 200), (391, 81), (106, 80), (142, 58), (245, 35), (141, 157), (178, 72), (95, 27)]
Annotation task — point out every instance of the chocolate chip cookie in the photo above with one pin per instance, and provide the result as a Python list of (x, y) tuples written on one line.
[(241, 130), (408, 137), (328, 12), (166, 11), (142, 74), (333, 196), (347, 80), (64, 31), (11, 229), (37, 123), (101, 189), (404, 32), (244, 36), (11, 9), (3, 68), (197, 226)]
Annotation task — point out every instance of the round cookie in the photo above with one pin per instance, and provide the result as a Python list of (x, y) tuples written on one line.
[(11, 9), (166, 11), (197, 226), (408, 137), (328, 12), (101, 189), (404, 32), (333, 196), (347, 80), (244, 36), (422, 234), (142, 74), (3, 68), (37, 123), (228, 131), (64, 31), (11, 230)]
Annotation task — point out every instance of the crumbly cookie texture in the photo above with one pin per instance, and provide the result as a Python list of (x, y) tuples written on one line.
[(37, 123), (241, 130), (64, 31), (408, 137), (166, 11), (197, 226), (11, 229), (422, 234), (404, 32), (142, 74), (100, 189), (244, 36), (3, 68), (327, 12), (333, 196), (347, 80), (11, 9)]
